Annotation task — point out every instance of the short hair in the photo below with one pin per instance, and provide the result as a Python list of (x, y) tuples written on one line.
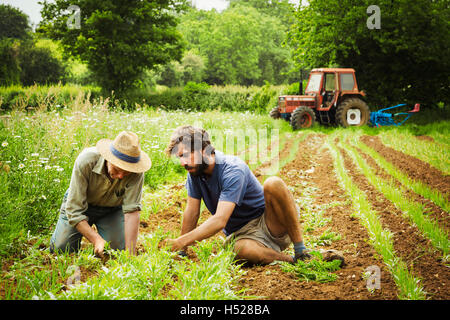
[(196, 139)]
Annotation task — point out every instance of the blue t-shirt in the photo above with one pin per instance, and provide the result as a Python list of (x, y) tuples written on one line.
[(232, 181)]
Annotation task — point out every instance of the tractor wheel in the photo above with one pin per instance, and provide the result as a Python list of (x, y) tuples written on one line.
[(352, 112), (302, 118), (274, 113)]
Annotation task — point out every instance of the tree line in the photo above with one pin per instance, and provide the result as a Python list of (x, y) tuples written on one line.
[(21, 60), (137, 44), (406, 59)]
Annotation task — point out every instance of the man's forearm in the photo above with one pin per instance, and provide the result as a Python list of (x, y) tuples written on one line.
[(131, 230), (88, 232), (207, 229), (189, 222), (211, 226)]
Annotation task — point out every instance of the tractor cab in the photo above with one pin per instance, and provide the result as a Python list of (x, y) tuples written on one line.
[(331, 96), (329, 85)]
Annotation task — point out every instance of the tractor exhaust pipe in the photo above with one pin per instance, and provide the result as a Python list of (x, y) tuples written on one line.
[(300, 84)]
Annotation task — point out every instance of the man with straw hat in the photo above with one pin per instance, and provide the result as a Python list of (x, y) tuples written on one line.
[(105, 190)]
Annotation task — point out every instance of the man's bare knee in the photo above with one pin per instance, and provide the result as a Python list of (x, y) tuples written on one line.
[(241, 247), (274, 189), (247, 249), (273, 184), (254, 252)]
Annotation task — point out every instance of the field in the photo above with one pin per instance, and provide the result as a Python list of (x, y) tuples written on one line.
[(378, 195)]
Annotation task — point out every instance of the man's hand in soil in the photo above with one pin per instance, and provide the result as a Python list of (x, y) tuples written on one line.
[(99, 246), (171, 244), (86, 230)]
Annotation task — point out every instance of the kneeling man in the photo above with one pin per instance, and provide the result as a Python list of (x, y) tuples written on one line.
[(262, 220), (105, 190)]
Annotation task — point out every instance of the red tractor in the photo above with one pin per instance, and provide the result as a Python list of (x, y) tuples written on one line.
[(331, 97)]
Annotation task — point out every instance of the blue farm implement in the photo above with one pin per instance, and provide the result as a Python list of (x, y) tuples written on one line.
[(382, 118)]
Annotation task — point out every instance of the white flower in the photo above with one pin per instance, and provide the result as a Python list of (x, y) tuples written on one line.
[(4, 144), (44, 197), (60, 169), (47, 167), (56, 180), (21, 166), (35, 154)]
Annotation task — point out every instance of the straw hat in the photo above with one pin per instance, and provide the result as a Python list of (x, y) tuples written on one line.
[(124, 152)]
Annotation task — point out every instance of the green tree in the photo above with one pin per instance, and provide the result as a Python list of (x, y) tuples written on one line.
[(281, 9), (13, 23), (13, 27), (193, 67), (38, 65), (171, 74), (117, 39), (241, 45), (406, 60), (9, 66)]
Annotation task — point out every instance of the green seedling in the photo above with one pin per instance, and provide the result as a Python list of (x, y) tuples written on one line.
[(314, 269)]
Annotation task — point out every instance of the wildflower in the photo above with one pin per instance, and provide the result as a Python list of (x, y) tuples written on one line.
[(56, 180), (35, 154), (43, 197), (21, 165), (47, 167), (59, 169), (4, 144)]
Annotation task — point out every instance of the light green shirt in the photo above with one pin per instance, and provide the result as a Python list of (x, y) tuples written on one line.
[(91, 185)]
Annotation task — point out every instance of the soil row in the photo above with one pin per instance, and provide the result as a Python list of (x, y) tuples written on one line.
[(422, 259), (413, 167), (432, 210), (270, 282)]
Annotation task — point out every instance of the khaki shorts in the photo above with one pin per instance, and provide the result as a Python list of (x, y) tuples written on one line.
[(257, 230)]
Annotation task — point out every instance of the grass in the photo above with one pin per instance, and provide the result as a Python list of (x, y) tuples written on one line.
[(418, 187), (411, 209), (315, 269), (431, 152), (380, 238), (156, 274), (35, 273), (153, 275)]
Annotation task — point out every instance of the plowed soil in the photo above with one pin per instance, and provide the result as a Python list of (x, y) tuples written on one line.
[(313, 168)]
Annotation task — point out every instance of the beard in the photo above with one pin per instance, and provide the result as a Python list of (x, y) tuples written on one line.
[(199, 169)]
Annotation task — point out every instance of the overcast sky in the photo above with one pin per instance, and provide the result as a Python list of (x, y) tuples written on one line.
[(32, 8)]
